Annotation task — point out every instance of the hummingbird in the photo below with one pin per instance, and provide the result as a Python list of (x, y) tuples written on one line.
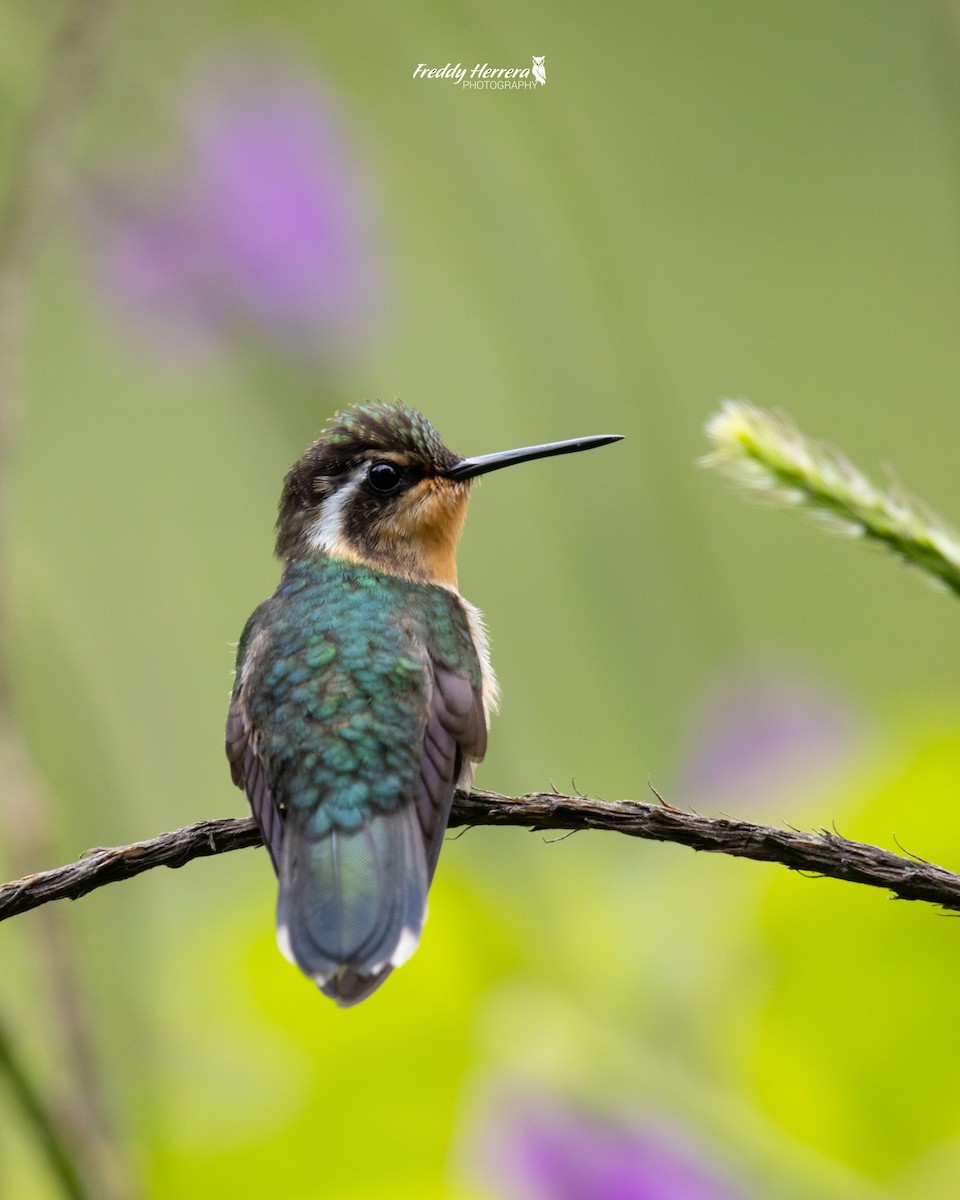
[(363, 689)]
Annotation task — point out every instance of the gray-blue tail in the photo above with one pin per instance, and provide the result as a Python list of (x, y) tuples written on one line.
[(352, 904)]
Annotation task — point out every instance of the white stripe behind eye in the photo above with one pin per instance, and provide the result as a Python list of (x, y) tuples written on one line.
[(326, 532)]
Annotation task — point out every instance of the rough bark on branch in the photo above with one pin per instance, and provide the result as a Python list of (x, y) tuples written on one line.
[(824, 853)]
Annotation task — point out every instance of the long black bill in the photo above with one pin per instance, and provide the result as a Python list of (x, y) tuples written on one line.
[(467, 468)]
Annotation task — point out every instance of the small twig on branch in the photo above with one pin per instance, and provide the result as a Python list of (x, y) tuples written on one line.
[(825, 853)]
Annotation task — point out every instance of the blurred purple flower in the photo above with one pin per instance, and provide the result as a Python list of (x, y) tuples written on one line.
[(759, 737), (540, 1151), (262, 229)]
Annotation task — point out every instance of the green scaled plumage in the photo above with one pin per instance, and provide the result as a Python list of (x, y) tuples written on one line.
[(340, 647)]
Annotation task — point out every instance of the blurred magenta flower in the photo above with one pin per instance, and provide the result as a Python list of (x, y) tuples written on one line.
[(540, 1151), (262, 229), (756, 738)]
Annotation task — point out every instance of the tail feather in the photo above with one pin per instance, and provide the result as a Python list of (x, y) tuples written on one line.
[(349, 987), (352, 904)]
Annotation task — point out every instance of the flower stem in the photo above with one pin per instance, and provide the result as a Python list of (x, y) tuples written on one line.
[(766, 453), (47, 1135)]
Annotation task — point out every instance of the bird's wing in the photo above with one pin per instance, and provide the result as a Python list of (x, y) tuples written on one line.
[(249, 772), (244, 744), (455, 731)]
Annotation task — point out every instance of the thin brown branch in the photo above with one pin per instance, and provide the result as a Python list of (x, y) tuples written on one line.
[(824, 853)]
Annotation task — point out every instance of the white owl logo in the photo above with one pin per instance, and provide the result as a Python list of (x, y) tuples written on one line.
[(539, 70)]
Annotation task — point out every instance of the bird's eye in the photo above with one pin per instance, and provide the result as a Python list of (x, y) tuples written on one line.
[(384, 477)]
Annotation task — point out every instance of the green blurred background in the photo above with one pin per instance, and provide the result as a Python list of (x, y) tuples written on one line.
[(705, 200)]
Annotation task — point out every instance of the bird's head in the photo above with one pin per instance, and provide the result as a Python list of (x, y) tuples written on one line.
[(380, 487)]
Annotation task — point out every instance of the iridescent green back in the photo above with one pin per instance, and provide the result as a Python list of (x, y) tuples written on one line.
[(337, 687)]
